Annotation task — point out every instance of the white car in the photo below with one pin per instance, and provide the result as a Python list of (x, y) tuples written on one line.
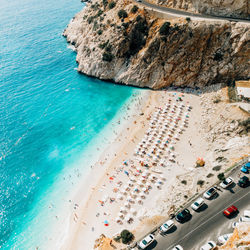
[(247, 213), (244, 219), (209, 245), (224, 238), (166, 226), (197, 204), (209, 193), (227, 182), (178, 247), (146, 241)]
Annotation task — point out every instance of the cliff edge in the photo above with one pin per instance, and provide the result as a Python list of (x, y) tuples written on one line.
[(122, 42)]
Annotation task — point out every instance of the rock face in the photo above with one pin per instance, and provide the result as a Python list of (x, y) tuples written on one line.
[(142, 50), (228, 8)]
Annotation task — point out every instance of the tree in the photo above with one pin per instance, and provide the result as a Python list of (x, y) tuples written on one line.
[(221, 176), (165, 29), (126, 236), (134, 9), (111, 5), (122, 14)]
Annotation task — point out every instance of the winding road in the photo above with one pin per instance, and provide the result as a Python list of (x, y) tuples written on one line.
[(180, 13)]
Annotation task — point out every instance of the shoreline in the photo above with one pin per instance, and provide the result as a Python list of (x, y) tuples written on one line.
[(116, 124), (102, 203)]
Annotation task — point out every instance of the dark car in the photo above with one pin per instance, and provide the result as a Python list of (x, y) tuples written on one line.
[(183, 216), (243, 181), (230, 211)]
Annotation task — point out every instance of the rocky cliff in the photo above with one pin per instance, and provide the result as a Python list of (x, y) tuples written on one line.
[(121, 42), (228, 8)]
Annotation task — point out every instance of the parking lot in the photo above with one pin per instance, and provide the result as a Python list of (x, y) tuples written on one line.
[(208, 223)]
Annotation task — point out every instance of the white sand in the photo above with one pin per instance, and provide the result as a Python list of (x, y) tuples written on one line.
[(87, 221)]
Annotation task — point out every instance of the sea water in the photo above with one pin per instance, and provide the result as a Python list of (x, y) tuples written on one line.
[(51, 119)]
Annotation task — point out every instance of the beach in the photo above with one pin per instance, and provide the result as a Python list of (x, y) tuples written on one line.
[(123, 192)]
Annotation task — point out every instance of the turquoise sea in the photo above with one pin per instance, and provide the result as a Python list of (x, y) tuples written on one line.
[(49, 116)]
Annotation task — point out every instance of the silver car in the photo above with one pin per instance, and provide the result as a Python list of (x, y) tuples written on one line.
[(197, 204)]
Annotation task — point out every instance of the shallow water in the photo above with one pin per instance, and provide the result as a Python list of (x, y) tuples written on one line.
[(48, 115)]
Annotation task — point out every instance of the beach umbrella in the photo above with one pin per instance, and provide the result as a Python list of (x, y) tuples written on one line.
[(106, 223), (132, 178), (144, 189), (130, 183), (126, 204), (139, 200), (140, 183), (128, 217), (119, 196), (123, 209), (118, 220), (136, 188), (121, 215), (132, 210)]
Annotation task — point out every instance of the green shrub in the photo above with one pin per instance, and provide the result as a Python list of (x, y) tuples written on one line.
[(99, 13), (126, 236), (105, 2), (108, 48), (221, 176), (217, 168), (210, 175), (165, 29), (138, 18), (184, 182), (112, 5), (125, 25), (188, 19), (117, 238), (99, 32), (107, 56), (90, 19), (122, 14), (218, 55), (134, 9), (200, 182)]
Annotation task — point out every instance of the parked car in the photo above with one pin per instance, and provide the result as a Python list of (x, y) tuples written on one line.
[(149, 239), (166, 226), (247, 213), (230, 211), (209, 193), (178, 247), (243, 181), (183, 216), (197, 204), (209, 245), (245, 168), (227, 182), (224, 238), (244, 219)]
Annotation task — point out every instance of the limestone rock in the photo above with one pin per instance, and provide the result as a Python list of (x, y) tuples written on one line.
[(132, 50)]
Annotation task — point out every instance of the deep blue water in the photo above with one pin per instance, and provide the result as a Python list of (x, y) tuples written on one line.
[(48, 112)]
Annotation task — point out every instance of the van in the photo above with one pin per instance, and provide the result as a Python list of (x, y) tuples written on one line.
[(247, 213)]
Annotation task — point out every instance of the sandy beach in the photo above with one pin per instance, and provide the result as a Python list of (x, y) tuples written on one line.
[(149, 170)]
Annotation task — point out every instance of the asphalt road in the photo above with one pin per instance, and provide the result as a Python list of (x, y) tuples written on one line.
[(184, 14), (207, 224)]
